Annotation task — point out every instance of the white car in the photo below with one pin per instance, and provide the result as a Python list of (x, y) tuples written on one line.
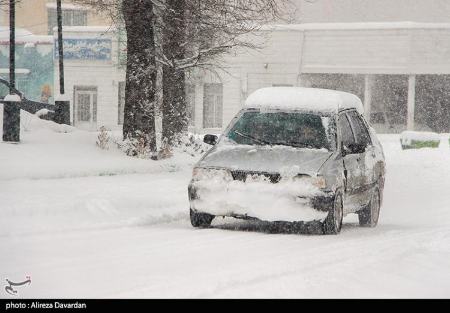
[(292, 155)]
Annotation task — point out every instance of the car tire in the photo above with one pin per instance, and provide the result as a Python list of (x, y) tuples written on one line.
[(200, 219), (333, 223), (368, 216)]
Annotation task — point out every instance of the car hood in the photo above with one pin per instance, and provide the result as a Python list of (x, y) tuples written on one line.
[(270, 159)]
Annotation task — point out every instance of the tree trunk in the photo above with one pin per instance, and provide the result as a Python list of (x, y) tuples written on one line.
[(174, 119), (139, 115)]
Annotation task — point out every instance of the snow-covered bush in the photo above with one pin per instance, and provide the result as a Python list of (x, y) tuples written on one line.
[(191, 144), (417, 140), (103, 139), (136, 147)]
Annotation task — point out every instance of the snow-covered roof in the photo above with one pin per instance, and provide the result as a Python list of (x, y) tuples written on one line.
[(86, 29), (298, 98), (23, 35), (17, 71), (67, 6), (357, 26)]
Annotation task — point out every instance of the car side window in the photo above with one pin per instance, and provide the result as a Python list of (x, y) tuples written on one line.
[(359, 129), (346, 131)]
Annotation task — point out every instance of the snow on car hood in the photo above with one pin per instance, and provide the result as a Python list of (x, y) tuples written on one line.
[(271, 159)]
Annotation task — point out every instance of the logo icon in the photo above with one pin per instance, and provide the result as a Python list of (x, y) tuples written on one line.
[(10, 289)]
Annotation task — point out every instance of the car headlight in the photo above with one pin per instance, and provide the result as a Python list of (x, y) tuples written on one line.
[(200, 173), (317, 181)]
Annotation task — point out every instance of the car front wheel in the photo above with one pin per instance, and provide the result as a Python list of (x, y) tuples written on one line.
[(333, 223), (368, 216), (200, 219)]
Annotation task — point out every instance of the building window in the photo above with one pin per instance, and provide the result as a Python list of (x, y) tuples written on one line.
[(212, 105), (121, 102), (70, 17), (190, 101)]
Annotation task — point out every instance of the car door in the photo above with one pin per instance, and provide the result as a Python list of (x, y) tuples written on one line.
[(351, 163), (367, 157)]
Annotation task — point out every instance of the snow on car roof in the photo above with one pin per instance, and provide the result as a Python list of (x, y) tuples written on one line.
[(299, 98)]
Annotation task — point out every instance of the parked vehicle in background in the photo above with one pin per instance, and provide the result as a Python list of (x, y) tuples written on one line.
[(292, 154)]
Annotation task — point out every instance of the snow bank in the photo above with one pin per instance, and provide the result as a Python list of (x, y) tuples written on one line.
[(51, 150), (62, 97), (297, 98), (66, 183), (413, 139), (42, 112), (12, 98)]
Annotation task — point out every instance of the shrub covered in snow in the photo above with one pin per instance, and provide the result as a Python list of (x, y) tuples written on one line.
[(417, 140), (136, 147), (103, 139), (191, 144)]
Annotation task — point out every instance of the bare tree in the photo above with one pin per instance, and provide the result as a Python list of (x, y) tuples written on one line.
[(192, 33), (195, 34)]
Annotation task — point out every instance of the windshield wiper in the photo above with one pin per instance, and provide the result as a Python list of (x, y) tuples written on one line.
[(300, 145), (297, 145), (252, 138)]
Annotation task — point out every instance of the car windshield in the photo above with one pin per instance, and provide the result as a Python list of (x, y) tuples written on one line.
[(302, 130)]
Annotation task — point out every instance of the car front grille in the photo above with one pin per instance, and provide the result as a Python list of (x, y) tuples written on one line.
[(243, 175)]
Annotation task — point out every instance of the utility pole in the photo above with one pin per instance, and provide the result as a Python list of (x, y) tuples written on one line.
[(62, 110), (11, 103), (12, 46)]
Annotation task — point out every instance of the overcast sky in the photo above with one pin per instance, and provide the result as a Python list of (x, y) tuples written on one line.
[(311, 11)]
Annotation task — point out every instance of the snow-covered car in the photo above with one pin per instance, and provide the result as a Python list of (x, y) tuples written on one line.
[(292, 155)]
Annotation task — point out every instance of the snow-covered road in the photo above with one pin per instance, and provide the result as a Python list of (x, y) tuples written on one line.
[(128, 235)]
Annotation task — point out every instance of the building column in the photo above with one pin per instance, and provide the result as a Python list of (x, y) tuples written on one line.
[(411, 102), (367, 96)]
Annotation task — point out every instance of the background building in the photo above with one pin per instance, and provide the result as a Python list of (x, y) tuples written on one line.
[(351, 11), (35, 23), (39, 16), (34, 64), (400, 69)]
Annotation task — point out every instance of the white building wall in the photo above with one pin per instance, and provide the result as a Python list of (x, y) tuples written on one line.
[(276, 63), (356, 51), (350, 11), (102, 74), (286, 53), (430, 51), (376, 48)]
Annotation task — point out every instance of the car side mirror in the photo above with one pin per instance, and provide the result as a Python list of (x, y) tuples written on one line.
[(353, 148), (358, 148), (210, 139), (345, 150)]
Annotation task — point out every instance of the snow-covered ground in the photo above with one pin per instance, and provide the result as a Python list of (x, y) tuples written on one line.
[(83, 222)]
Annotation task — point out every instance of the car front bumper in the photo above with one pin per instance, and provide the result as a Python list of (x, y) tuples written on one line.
[(266, 205)]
